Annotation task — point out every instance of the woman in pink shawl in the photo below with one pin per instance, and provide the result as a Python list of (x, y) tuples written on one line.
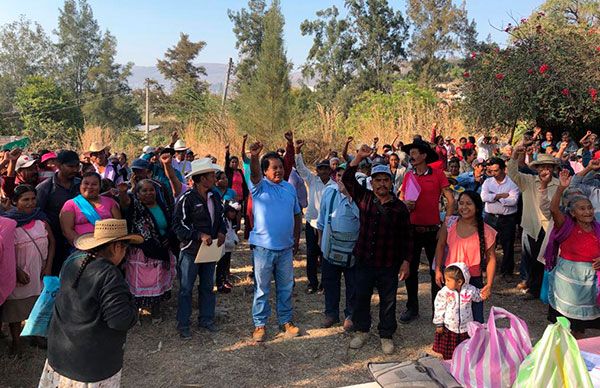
[(8, 267)]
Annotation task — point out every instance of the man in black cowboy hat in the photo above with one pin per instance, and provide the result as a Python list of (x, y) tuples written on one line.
[(424, 217)]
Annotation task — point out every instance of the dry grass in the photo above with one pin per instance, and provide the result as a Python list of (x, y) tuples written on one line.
[(155, 356)]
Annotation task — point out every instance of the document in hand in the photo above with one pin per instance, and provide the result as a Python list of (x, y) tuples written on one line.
[(413, 189), (209, 253)]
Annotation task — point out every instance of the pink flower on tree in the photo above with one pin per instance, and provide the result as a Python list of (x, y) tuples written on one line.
[(565, 92), (508, 28), (524, 20), (500, 76), (544, 68), (593, 93), (530, 71), (466, 74), (473, 55)]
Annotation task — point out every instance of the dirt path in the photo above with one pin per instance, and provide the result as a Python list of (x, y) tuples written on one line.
[(156, 357)]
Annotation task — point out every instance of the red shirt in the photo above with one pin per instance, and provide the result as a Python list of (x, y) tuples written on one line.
[(580, 246), (469, 146), (426, 211)]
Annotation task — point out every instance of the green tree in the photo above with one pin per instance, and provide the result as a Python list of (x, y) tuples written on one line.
[(548, 75), (79, 44), (109, 103), (189, 98), (49, 114), (380, 34), (178, 65), (360, 52), (329, 59), (263, 102), (248, 29), (25, 50), (438, 30)]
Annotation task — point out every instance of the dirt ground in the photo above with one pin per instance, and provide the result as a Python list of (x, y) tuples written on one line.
[(155, 356)]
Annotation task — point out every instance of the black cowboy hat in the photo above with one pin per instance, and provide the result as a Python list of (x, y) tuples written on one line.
[(424, 147)]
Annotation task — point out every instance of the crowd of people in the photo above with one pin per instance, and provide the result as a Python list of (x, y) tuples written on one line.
[(121, 235)]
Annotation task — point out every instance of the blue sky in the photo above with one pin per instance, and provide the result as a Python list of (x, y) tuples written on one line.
[(146, 28)]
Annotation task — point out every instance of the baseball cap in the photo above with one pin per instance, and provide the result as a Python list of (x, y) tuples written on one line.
[(323, 163), (24, 161), (67, 157), (381, 169), (149, 149), (47, 156), (477, 162), (139, 164)]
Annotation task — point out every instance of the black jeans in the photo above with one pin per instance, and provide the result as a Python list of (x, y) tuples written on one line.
[(506, 226), (386, 281), (312, 255), (223, 267), (535, 269), (427, 240), (331, 276)]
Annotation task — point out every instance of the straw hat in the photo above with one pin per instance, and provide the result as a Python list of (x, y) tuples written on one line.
[(544, 159), (97, 146), (202, 166), (180, 145), (106, 231)]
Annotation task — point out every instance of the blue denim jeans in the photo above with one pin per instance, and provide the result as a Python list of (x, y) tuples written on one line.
[(187, 271), (477, 307), (331, 277), (266, 264)]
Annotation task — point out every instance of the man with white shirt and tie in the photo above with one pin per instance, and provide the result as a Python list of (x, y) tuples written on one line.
[(500, 195)]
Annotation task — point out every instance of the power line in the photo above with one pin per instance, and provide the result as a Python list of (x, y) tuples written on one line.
[(13, 115)]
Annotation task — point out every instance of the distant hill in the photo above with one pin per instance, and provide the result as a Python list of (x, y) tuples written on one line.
[(215, 76)]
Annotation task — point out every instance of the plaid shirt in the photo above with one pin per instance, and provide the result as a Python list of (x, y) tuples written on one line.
[(385, 238)]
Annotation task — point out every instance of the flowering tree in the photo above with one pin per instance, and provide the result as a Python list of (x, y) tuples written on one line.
[(549, 74)]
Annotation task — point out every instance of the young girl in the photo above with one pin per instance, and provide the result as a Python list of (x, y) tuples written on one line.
[(230, 213), (453, 309)]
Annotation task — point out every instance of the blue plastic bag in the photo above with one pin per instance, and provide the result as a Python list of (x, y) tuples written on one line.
[(545, 288), (39, 320)]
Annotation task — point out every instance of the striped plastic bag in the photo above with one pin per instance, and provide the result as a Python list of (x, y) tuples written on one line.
[(491, 357), (555, 361)]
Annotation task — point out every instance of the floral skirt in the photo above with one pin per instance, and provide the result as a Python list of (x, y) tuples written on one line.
[(52, 379), (148, 278), (446, 341)]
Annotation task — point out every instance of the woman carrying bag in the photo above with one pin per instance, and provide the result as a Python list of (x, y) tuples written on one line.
[(93, 312)]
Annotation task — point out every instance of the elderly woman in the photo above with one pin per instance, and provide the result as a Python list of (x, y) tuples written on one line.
[(93, 312), (79, 215), (573, 280), (150, 267), (34, 249)]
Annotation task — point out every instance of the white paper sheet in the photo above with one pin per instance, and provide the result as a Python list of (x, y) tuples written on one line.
[(209, 253)]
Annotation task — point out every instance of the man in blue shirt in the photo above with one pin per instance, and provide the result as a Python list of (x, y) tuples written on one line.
[(274, 239), (473, 180)]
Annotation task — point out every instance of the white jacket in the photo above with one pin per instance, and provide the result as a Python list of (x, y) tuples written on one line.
[(453, 308)]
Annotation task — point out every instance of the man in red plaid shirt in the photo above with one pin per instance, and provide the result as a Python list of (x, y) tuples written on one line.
[(383, 250)]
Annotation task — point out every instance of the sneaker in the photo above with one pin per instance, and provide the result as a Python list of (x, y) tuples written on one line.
[(408, 316), (348, 325), (185, 334), (259, 334), (291, 330), (358, 340), (210, 327), (387, 345), (329, 321), (311, 290), (227, 284)]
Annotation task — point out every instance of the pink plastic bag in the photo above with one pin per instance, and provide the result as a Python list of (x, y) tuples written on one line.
[(492, 356)]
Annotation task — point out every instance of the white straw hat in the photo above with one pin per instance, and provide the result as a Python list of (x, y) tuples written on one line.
[(106, 231), (202, 166)]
